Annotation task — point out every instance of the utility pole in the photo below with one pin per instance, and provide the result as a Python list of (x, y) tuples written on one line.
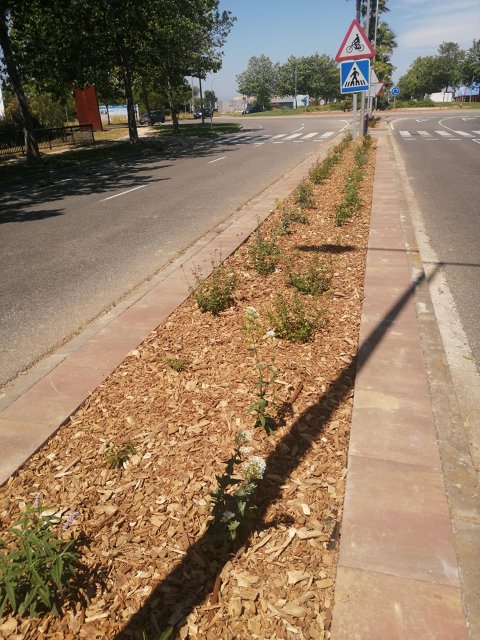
[(362, 109)]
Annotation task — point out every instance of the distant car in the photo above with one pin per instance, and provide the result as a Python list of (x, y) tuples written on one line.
[(206, 113), (156, 117), (252, 109)]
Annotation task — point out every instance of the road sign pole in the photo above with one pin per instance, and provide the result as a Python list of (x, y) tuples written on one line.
[(354, 122), (362, 115)]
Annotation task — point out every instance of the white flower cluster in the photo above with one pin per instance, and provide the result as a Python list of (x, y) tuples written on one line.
[(251, 313), (270, 334), (227, 515), (243, 437), (254, 468)]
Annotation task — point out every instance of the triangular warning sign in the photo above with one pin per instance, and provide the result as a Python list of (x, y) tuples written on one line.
[(355, 78), (355, 45)]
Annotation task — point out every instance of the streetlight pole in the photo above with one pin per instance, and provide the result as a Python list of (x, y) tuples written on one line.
[(296, 86)]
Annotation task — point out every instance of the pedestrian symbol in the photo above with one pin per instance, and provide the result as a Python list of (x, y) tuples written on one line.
[(354, 76)]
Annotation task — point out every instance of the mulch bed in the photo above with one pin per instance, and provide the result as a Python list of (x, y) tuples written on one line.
[(148, 553)]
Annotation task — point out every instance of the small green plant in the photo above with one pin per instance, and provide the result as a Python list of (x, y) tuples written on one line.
[(321, 171), (293, 319), (117, 456), (177, 364), (39, 564), (166, 634), (313, 280), (290, 215), (232, 500), (304, 195), (264, 405), (265, 254), (215, 294)]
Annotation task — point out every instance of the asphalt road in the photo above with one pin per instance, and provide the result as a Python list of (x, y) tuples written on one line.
[(441, 152), (71, 246)]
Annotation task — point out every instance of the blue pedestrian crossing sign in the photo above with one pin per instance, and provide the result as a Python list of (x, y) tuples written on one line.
[(354, 76)]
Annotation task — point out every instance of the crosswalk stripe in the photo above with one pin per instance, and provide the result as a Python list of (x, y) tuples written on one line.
[(405, 134), (279, 135), (425, 134), (309, 135), (292, 136), (327, 134), (463, 133), (476, 132), (445, 134)]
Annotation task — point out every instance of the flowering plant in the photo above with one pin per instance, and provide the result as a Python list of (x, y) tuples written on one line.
[(231, 501)]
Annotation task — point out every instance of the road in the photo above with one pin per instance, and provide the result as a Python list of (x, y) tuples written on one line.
[(71, 247), (441, 152)]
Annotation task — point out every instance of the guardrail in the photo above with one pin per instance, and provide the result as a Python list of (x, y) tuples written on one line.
[(75, 135)]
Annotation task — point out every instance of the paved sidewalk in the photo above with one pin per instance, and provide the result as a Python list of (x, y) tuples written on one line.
[(398, 576)]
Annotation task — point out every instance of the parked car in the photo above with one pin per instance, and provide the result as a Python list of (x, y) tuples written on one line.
[(206, 113), (252, 109), (156, 116)]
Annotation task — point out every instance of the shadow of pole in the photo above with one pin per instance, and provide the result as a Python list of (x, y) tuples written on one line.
[(193, 578)]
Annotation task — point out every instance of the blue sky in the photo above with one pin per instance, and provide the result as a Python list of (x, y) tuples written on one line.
[(280, 28)]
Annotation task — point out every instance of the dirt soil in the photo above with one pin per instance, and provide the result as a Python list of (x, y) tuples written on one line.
[(149, 556)]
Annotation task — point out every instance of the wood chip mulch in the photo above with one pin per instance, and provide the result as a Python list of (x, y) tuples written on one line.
[(148, 555)]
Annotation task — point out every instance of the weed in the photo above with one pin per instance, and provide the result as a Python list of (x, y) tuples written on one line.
[(321, 171), (117, 456), (232, 500), (304, 195), (39, 565), (313, 280), (267, 373), (293, 320), (177, 364), (215, 294), (291, 215), (265, 254)]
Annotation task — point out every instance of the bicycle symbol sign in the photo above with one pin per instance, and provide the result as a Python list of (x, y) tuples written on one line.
[(355, 45)]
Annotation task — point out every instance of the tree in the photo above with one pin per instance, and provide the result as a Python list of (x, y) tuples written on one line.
[(66, 43), (470, 66), (259, 80), (210, 98), (421, 78), (315, 75), (32, 152), (449, 63)]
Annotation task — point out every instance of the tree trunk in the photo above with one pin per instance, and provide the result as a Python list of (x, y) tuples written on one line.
[(127, 83), (31, 147), (171, 102), (147, 105)]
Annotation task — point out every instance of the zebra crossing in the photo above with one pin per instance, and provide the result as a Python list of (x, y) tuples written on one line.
[(279, 138), (431, 136)]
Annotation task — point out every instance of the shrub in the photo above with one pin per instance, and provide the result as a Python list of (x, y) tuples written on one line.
[(304, 195), (177, 364), (265, 255), (313, 280), (293, 320), (215, 294)]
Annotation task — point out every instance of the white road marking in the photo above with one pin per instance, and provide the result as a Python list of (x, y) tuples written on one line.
[(327, 134), (477, 132), (293, 135), (258, 144), (464, 133), (212, 161), (406, 135), (278, 142), (425, 134), (309, 135), (123, 193), (477, 141), (445, 134), (279, 135)]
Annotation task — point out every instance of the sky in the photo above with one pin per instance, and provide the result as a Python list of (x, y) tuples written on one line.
[(281, 28)]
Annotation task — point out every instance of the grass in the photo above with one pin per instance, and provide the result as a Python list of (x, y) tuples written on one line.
[(109, 147)]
